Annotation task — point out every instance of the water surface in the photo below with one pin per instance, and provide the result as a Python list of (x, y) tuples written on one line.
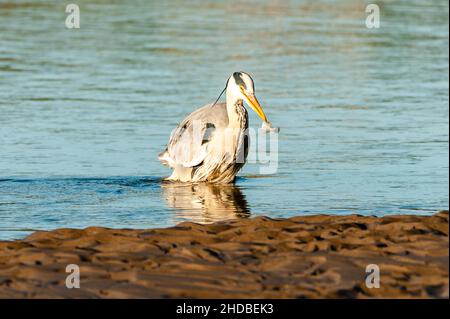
[(83, 113)]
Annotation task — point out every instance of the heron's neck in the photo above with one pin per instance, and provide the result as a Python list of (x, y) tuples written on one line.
[(235, 110)]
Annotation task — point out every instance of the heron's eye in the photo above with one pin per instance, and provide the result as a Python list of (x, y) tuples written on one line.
[(242, 88)]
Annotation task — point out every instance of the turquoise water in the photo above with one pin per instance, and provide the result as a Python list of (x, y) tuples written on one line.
[(83, 113)]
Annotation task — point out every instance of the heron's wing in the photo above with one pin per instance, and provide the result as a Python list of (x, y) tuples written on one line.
[(188, 143)]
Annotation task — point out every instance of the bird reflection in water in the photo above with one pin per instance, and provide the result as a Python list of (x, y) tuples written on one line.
[(205, 203)]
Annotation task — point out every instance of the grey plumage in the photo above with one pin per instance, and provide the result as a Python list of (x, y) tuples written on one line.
[(211, 144), (192, 158)]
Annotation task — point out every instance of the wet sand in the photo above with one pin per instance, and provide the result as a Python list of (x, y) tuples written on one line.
[(318, 256)]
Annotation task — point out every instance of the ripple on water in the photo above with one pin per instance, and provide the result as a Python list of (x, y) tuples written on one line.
[(84, 113)]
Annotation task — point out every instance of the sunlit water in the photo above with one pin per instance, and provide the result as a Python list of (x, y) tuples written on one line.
[(83, 113)]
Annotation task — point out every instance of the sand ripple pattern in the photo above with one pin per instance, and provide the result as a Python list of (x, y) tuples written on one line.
[(300, 257)]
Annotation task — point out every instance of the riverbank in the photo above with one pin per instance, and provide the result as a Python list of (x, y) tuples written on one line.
[(317, 256)]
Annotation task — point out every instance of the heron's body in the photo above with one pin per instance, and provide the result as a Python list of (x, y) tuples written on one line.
[(211, 144)]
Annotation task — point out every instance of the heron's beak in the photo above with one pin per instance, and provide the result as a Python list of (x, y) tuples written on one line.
[(253, 102)]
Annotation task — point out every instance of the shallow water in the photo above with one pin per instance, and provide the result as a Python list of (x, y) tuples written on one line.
[(83, 113)]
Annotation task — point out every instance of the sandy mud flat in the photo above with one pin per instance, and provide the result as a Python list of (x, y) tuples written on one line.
[(319, 256)]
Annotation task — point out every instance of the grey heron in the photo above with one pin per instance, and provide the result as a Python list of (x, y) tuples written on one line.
[(211, 144)]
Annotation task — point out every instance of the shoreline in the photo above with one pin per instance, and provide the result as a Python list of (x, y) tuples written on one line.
[(316, 256)]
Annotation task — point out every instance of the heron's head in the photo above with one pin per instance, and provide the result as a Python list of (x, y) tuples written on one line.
[(240, 85)]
